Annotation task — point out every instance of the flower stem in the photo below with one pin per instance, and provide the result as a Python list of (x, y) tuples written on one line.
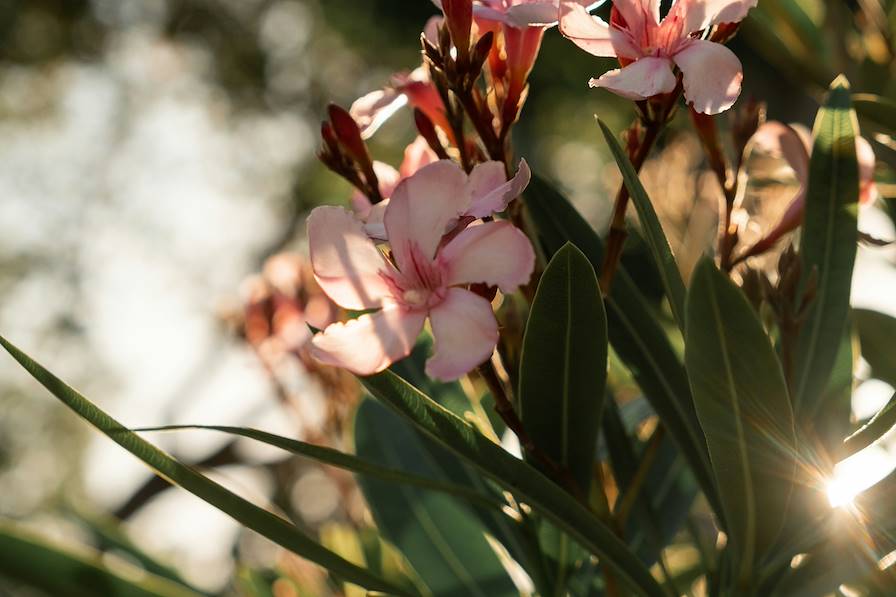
[(505, 410), (617, 235)]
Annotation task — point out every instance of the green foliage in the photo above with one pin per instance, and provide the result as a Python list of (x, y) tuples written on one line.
[(564, 365), (263, 522), (440, 537), (828, 245), (523, 481), (634, 331), (653, 230), (743, 405), (876, 333), (78, 572)]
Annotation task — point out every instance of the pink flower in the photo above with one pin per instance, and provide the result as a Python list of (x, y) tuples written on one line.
[(414, 88), (425, 279), (487, 185), (520, 13), (793, 143), (648, 49)]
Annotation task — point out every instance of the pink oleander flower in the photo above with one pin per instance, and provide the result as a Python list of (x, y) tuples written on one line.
[(794, 143), (426, 277), (648, 49), (416, 155), (487, 184), (520, 13), (415, 88)]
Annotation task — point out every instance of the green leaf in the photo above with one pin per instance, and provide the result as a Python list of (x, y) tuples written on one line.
[(653, 230), (440, 537), (251, 516), (564, 365), (59, 570), (879, 111), (876, 333), (634, 332), (451, 396), (562, 376), (524, 481), (873, 430), (662, 506), (344, 461), (742, 402), (828, 245)]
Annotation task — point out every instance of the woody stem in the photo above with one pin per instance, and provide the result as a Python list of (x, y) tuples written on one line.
[(617, 235), (505, 410)]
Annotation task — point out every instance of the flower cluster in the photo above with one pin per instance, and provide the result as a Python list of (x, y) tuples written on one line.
[(436, 250), (649, 48)]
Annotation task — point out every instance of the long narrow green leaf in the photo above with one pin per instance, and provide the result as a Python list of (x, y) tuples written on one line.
[(563, 372), (828, 244), (873, 430), (341, 460), (742, 402), (524, 481), (653, 230), (635, 334), (441, 538), (259, 520), (564, 365), (59, 570)]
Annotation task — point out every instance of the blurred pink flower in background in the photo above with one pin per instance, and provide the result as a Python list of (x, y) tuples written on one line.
[(426, 279), (793, 143), (648, 49), (280, 303)]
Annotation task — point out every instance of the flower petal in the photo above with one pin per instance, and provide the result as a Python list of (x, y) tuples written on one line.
[(345, 261), (712, 75), (494, 253), (865, 156), (370, 343), (422, 207), (465, 334), (373, 223), (490, 189), (639, 14), (639, 80), (538, 13), (779, 139), (416, 155), (372, 110), (587, 31), (700, 14)]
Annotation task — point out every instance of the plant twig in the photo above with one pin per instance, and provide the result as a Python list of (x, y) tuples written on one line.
[(505, 410)]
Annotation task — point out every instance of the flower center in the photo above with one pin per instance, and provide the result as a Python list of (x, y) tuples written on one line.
[(415, 297)]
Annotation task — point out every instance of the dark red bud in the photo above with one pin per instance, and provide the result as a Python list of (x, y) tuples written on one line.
[(459, 18), (346, 130), (427, 130)]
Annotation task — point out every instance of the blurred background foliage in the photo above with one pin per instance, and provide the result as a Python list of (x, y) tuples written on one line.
[(154, 153)]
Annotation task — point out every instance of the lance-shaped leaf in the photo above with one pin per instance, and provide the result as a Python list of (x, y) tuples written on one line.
[(828, 244), (562, 376), (876, 333), (345, 461), (634, 332), (81, 572), (522, 480), (441, 538), (653, 230), (742, 402), (251, 516), (564, 365)]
